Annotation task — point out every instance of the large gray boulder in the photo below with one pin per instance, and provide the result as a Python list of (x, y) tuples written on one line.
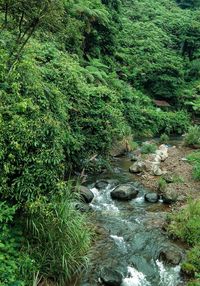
[(85, 194), (171, 256), (169, 195), (111, 277), (137, 167), (124, 192)]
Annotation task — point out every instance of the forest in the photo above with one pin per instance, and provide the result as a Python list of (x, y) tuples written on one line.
[(77, 76)]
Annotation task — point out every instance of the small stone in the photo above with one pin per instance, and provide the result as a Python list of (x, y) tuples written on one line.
[(151, 197)]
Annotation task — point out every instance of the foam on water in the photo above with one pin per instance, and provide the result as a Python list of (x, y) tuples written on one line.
[(102, 200), (139, 200), (119, 240), (168, 276), (135, 278)]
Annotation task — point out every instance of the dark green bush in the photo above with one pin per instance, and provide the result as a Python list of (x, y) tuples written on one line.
[(148, 148), (192, 137)]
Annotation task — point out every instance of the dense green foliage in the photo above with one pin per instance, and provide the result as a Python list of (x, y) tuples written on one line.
[(192, 137), (76, 76), (186, 225)]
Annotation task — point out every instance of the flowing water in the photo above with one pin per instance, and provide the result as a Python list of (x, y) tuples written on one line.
[(130, 237)]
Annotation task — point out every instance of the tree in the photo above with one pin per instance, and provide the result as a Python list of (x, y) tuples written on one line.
[(27, 16)]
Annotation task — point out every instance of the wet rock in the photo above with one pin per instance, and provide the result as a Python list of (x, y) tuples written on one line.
[(137, 167), (151, 197), (142, 265), (170, 256), (101, 184), (85, 194), (83, 207), (124, 192), (169, 196), (111, 277)]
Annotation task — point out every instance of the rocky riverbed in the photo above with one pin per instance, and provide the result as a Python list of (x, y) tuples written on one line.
[(128, 213)]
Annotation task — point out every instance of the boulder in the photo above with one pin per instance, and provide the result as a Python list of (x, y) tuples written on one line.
[(101, 184), (156, 171), (85, 194), (124, 192), (104, 183), (170, 256), (162, 152), (137, 167), (111, 277), (169, 195), (151, 197)]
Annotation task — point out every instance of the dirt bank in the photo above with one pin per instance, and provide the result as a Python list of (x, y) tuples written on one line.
[(177, 167)]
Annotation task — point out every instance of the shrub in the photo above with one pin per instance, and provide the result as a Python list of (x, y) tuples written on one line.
[(164, 138), (192, 137), (162, 184), (148, 148), (194, 158), (12, 256)]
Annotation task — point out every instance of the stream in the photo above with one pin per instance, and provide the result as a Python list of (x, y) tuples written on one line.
[(130, 235)]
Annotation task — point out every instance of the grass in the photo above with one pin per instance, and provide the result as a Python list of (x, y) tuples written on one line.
[(58, 236), (194, 159), (185, 225)]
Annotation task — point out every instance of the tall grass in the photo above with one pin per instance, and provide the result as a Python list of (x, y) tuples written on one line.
[(186, 225), (59, 237)]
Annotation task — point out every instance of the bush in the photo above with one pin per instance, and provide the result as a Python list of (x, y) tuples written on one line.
[(194, 158), (12, 256), (147, 119), (162, 184), (164, 138), (192, 137), (148, 148)]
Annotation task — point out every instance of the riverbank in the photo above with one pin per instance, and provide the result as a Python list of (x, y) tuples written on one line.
[(176, 167)]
